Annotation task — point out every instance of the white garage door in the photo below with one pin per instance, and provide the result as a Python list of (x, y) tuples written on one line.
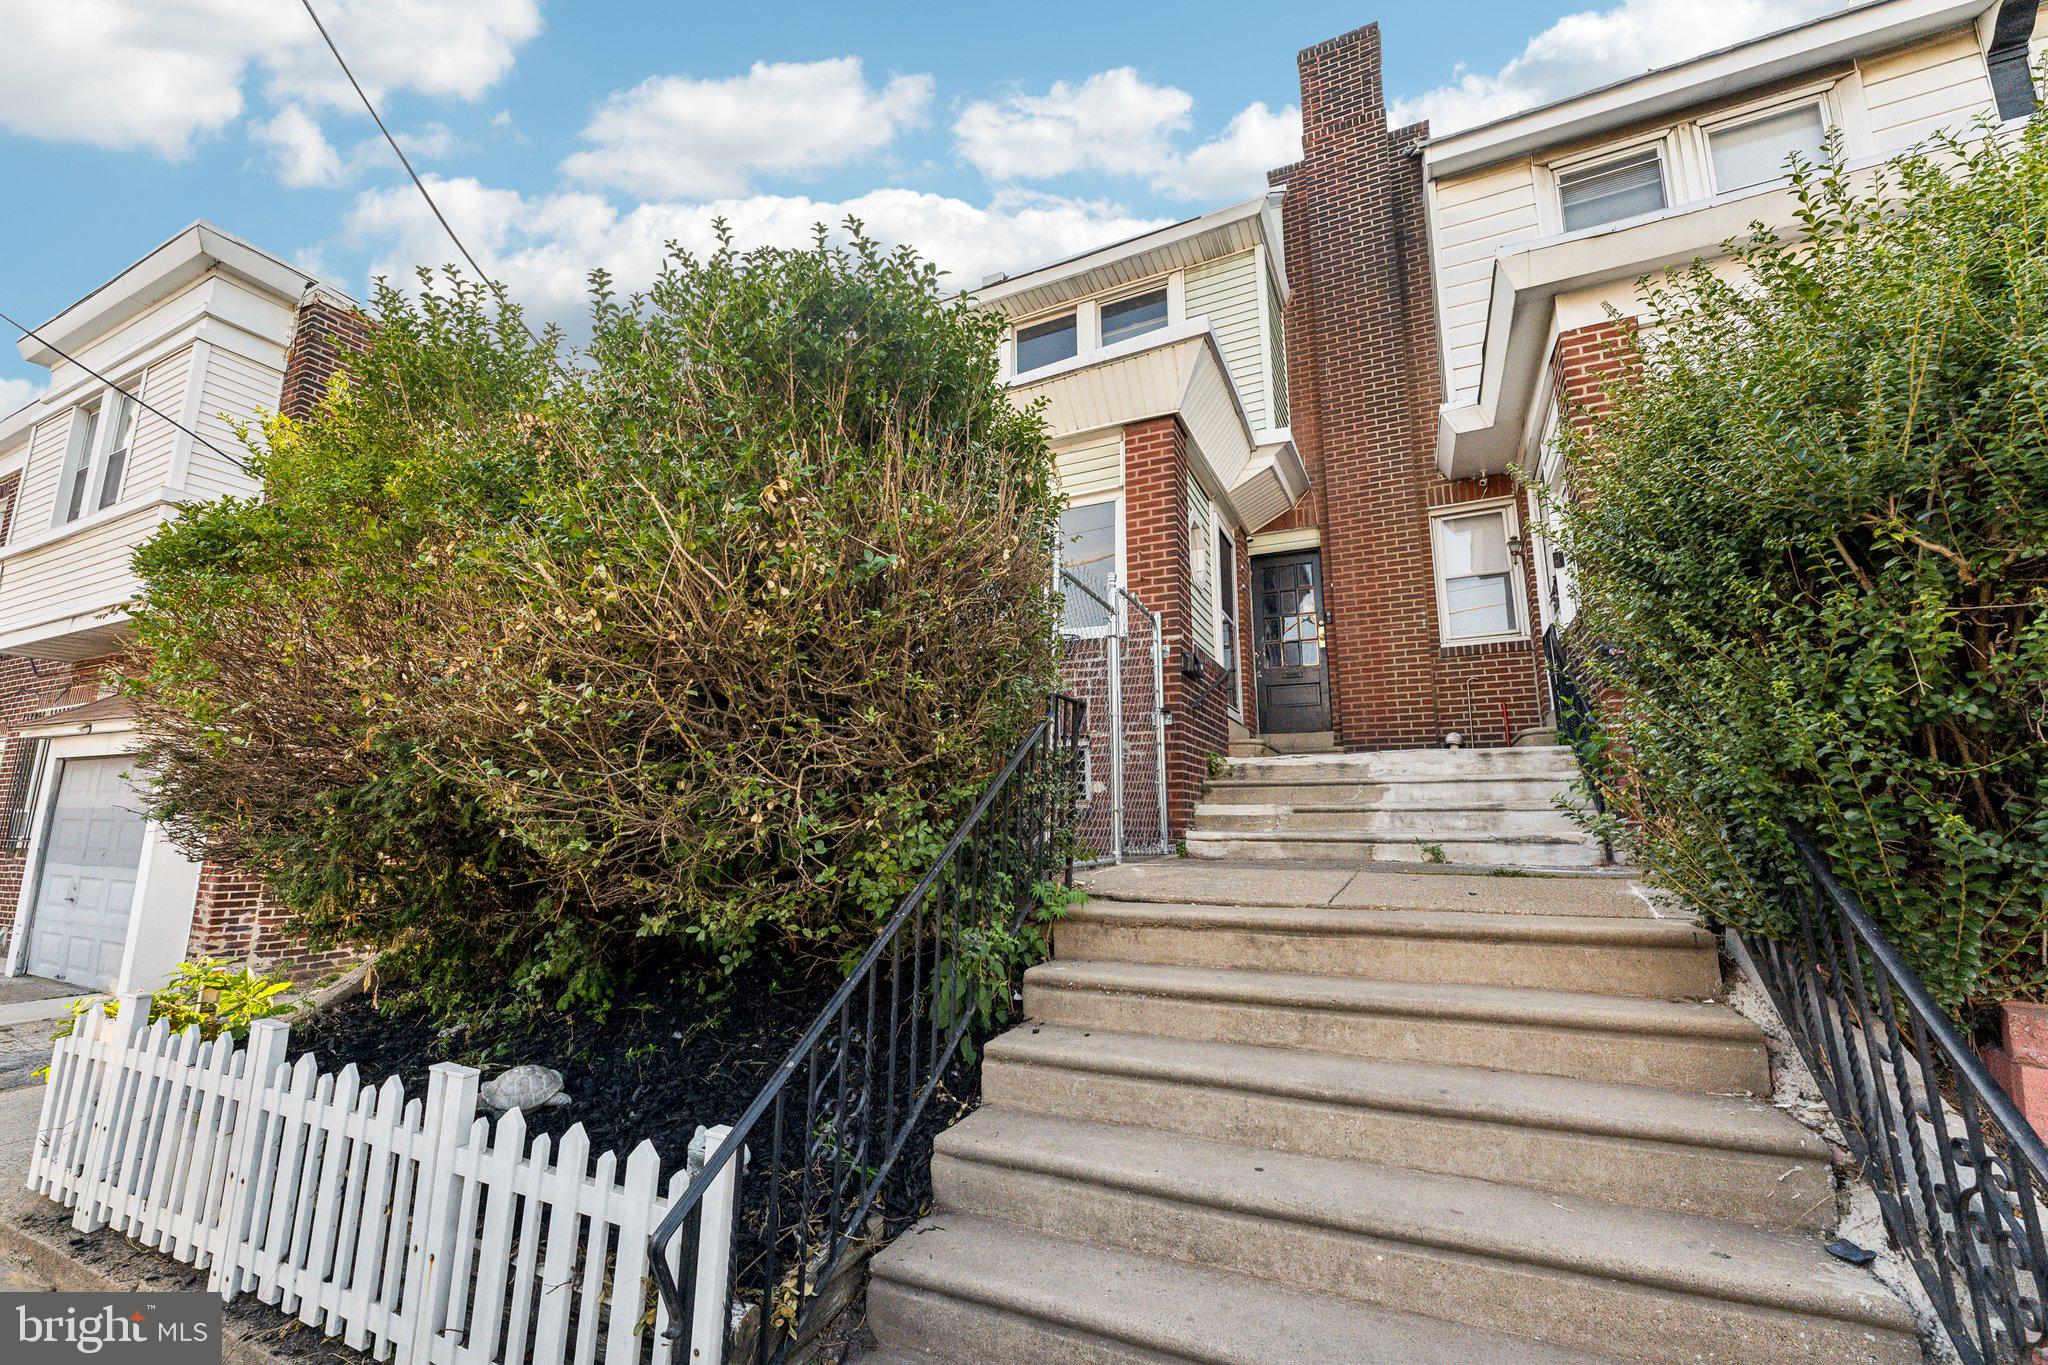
[(92, 849)]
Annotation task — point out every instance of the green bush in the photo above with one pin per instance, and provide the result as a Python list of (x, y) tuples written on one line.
[(693, 646), (1812, 535)]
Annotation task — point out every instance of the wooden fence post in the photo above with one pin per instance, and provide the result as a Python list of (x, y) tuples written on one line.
[(269, 1041), (444, 1126), (109, 1116), (711, 1306)]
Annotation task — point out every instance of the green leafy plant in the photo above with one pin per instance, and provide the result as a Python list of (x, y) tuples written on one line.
[(1433, 853), (533, 677), (210, 994), (1810, 539), (978, 982)]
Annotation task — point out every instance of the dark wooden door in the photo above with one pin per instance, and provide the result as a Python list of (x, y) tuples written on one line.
[(1287, 602)]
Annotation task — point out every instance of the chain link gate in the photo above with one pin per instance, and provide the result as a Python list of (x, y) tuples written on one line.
[(1113, 657)]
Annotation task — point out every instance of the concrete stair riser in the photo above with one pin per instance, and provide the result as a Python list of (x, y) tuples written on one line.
[(1554, 761), (1413, 822), (1537, 851), (1763, 1189), (1632, 1321), (1676, 1060), (1519, 793), (1657, 959), (1183, 881), (972, 1290)]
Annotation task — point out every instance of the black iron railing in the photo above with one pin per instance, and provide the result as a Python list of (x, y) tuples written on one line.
[(837, 1145), (1957, 1170), (1571, 698)]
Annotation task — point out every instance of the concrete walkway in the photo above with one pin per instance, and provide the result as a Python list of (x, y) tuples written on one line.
[(19, 1110)]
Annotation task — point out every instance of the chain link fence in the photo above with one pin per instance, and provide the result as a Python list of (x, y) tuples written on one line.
[(1113, 657)]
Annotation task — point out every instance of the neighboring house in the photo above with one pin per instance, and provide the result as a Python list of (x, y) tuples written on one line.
[(1542, 224), (202, 331), (1161, 365), (1440, 298)]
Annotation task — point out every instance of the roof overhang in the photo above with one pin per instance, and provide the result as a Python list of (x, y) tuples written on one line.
[(1255, 222), (163, 272), (1485, 435), (1176, 371), (1844, 36)]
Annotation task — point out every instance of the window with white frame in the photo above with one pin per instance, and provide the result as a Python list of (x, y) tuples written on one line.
[(1088, 551), (1048, 343), (1755, 150), (96, 455), (1611, 190), (1475, 574), (1226, 598), (1133, 316)]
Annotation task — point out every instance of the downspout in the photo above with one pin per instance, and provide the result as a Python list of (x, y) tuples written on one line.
[(2012, 77)]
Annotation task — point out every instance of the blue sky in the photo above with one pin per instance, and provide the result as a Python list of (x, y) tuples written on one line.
[(560, 137)]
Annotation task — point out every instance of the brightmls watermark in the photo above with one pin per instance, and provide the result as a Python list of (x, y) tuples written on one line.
[(110, 1329)]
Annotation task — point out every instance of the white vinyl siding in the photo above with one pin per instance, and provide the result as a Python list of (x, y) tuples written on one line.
[(1276, 356), (1923, 89), (1475, 217), (77, 576), (1227, 293), (240, 388), (1091, 471)]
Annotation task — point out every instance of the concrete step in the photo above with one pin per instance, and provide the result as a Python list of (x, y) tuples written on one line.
[(1644, 1285), (1185, 881), (1538, 791), (1547, 760), (1410, 822), (1554, 1033), (1664, 959), (1709, 1155), (1466, 850), (960, 1288)]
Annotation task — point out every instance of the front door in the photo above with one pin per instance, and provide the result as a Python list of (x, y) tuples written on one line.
[(1287, 600), (92, 850)]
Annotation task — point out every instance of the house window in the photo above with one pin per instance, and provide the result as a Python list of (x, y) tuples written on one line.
[(78, 454), (1046, 343), (1755, 150), (1134, 316), (96, 457), (1612, 190), (1087, 557), (121, 430), (1475, 576)]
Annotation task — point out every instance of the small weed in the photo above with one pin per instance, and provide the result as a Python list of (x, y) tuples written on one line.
[(1434, 853), (1507, 872)]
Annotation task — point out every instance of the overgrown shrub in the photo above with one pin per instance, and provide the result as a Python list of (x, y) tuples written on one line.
[(697, 644), (1812, 535)]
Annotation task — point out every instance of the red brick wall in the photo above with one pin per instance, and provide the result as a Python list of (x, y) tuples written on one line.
[(326, 331), (1584, 362), (1366, 384), (236, 918)]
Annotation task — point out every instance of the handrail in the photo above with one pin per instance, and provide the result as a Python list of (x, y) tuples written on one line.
[(995, 861), (1957, 1169)]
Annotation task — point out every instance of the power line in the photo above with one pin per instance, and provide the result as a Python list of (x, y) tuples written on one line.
[(406, 162), (134, 398)]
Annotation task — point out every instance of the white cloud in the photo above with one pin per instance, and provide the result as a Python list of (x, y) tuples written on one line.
[(681, 137), (542, 247), (1234, 164), (159, 75), (18, 393), (299, 152), (1115, 122), (1591, 48)]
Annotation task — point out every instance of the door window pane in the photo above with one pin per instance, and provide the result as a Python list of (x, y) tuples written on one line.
[(1045, 343), (1754, 152), (1134, 316), (1612, 190)]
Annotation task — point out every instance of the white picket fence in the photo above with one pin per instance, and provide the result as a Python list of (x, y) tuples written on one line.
[(416, 1231)]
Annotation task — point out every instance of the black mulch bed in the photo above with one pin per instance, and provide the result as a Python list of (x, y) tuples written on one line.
[(656, 1067)]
